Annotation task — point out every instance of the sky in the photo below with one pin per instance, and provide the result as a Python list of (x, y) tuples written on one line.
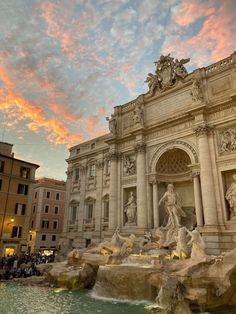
[(64, 64)]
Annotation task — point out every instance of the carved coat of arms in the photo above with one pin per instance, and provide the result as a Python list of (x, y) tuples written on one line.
[(168, 72)]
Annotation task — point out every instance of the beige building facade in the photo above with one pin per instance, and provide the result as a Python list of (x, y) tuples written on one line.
[(47, 214), (181, 132), (16, 180)]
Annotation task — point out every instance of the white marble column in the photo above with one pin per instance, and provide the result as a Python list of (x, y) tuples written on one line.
[(141, 186), (197, 199), (206, 174), (113, 190), (98, 206), (155, 204)]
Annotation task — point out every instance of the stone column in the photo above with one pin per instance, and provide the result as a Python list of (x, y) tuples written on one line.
[(81, 209), (155, 205), (98, 206), (113, 191), (141, 186), (197, 199), (206, 174)]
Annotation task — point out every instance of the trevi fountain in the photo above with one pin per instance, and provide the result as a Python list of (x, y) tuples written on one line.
[(166, 175), (168, 271)]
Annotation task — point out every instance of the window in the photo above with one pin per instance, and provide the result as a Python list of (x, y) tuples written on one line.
[(48, 195), (55, 224), (45, 224), (0, 185), (16, 232), (35, 194), (90, 211), (34, 209), (56, 209), (30, 237), (54, 237), (46, 209), (57, 196), (77, 150), (92, 170), (92, 145), (32, 224), (77, 174), (73, 213), (43, 237), (22, 189), (2, 165), (106, 210), (24, 172), (20, 209)]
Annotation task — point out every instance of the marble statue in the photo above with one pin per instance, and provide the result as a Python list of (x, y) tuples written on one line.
[(147, 238), (198, 244), (130, 210), (179, 68), (138, 115), (172, 204), (129, 166), (112, 124), (153, 83), (196, 91), (182, 249), (231, 197)]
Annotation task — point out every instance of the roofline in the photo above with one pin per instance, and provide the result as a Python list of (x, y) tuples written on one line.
[(91, 140), (13, 158)]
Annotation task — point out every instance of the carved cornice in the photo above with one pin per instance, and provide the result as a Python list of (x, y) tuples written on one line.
[(204, 129), (195, 174), (140, 148)]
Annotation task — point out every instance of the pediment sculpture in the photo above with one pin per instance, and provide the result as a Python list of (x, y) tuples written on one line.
[(168, 72)]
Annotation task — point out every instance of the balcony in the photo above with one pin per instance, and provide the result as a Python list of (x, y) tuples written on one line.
[(89, 224)]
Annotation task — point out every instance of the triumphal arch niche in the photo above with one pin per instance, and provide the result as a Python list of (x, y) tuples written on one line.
[(172, 165), (179, 137)]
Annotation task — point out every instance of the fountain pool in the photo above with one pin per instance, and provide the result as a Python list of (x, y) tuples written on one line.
[(17, 299)]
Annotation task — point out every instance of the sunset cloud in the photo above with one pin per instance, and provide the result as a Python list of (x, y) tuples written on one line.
[(65, 64)]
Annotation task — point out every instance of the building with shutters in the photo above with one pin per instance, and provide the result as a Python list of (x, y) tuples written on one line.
[(47, 214), (16, 180)]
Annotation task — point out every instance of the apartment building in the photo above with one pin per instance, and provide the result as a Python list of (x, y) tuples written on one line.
[(16, 181), (47, 213)]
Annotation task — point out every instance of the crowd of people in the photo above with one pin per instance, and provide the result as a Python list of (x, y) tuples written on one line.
[(22, 266)]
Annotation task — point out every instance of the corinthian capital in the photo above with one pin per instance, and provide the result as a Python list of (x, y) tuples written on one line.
[(140, 147), (203, 129), (114, 155)]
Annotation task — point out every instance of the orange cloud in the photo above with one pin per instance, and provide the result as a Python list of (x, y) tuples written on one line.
[(19, 108)]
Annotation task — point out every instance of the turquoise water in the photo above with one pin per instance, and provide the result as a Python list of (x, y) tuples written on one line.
[(16, 299)]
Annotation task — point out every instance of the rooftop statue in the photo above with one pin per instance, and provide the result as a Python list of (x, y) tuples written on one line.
[(168, 73)]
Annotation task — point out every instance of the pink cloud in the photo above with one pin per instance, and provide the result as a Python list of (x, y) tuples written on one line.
[(215, 39)]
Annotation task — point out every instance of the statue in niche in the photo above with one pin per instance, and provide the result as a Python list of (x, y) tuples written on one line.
[(198, 244), (112, 124), (231, 197), (172, 204), (130, 210), (129, 166), (138, 115), (196, 91)]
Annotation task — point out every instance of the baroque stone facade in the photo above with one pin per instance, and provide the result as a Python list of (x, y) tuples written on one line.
[(181, 133)]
